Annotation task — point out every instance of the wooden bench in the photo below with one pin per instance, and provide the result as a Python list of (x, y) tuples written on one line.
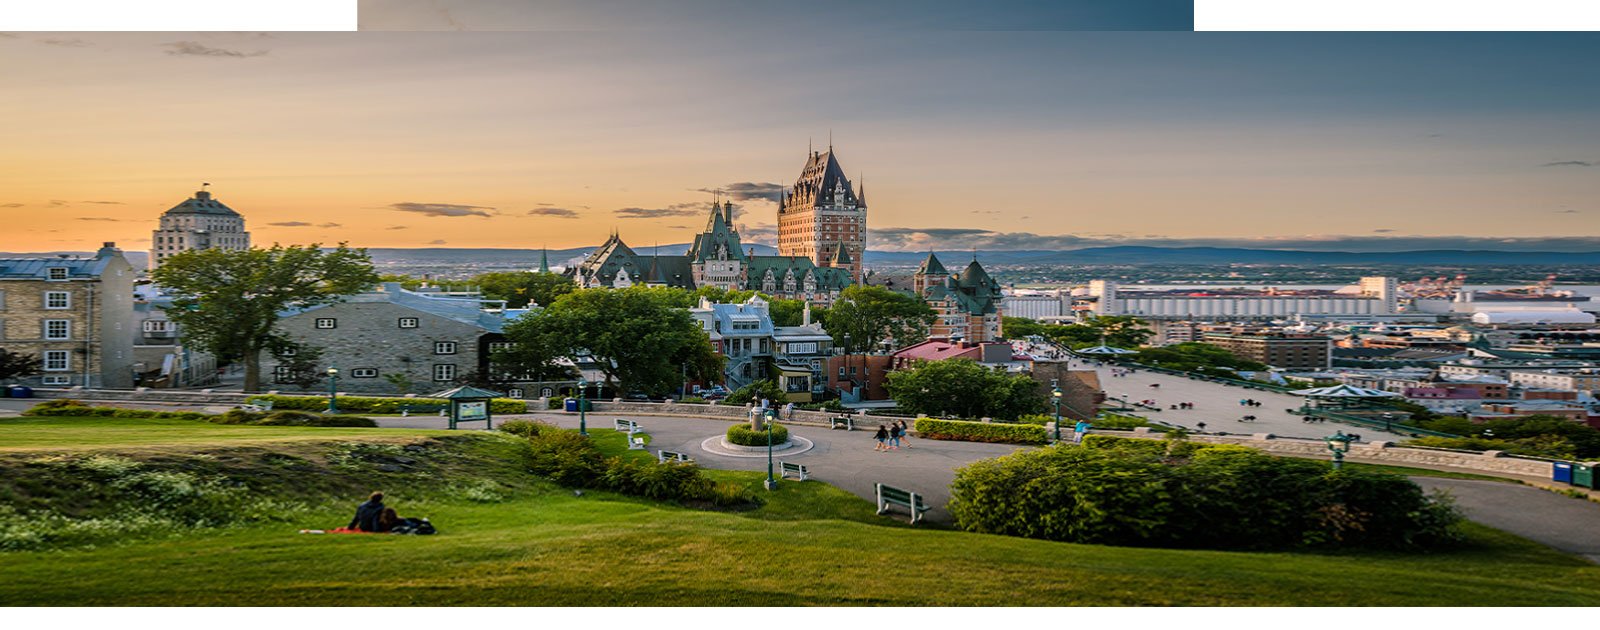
[(798, 470), (635, 443), (628, 426), (890, 495), (666, 456), (848, 422)]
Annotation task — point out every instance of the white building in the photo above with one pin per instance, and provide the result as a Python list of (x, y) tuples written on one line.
[(200, 222), (1372, 296)]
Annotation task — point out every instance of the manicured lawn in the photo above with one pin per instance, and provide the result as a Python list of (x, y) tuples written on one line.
[(539, 544), (1425, 472), (78, 433)]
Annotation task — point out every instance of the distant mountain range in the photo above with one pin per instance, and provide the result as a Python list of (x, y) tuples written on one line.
[(1119, 255)]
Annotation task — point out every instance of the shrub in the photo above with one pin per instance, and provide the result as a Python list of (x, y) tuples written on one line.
[(238, 416), (980, 431), (755, 391), (288, 419), (72, 408), (375, 404), (692, 400), (743, 435), (567, 458), (1180, 494), (524, 428)]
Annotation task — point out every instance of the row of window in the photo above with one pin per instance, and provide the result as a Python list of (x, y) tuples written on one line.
[(441, 372), (330, 323)]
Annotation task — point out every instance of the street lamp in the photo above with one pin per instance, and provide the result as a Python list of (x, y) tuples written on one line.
[(333, 390), (1055, 396), (849, 379), (583, 425), (771, 483), (1388, 421), (1339, 443)]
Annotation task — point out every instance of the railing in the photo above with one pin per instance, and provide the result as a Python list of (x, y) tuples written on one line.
[(1391, 426)]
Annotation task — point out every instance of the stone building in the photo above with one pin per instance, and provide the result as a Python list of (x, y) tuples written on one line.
[(968, 304), (74, 314), (433, 342), (1288, 352), (200, 222), (717, 258), (822, 218)]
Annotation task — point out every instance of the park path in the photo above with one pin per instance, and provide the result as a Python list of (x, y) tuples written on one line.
[(1566, 523)]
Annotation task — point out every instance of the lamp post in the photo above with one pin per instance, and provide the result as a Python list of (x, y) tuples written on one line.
[(1055, 396), (849, 379), (333, 390), (1388, 421), (1339, 443), (583, 424), (771, 483)]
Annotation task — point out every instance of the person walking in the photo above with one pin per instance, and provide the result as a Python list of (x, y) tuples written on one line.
[(905, 433), (894, 436), (788, 411), (1079, 430), (882, 436)]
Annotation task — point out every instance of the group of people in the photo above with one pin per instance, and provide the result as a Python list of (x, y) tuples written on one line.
[(787, 412), (373, 517), (1183, 405), (1309, 419), (1249, 402), (1247, 419), (1120, 372), (892, 437)]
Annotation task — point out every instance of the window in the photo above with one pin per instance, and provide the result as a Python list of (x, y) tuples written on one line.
[(287, 352), (56, 273), (501, 346), (327, 323), (57, 360), (282, 374), (157, 325), (57, 300), (364, 373), (57, 380), (444, 372), (409, 322), (444, 347), (514, 393), (57, 329)]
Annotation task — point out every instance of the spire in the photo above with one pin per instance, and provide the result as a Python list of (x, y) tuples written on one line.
[(544, 260), (931, 266)]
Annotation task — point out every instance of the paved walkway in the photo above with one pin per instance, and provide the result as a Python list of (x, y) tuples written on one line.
[(1563, 522)]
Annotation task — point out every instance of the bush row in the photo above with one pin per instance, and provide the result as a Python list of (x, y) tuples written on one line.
[(573, 460), (73, 408), (743, 435), (1175, 493), (66, 407), (373, 404), (981, 431)]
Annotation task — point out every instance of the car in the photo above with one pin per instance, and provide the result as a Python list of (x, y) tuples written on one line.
[(711, 395), (642, 397)]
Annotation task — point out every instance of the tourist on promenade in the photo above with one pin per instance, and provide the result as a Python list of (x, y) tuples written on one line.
[(788, 411), (894, 436), (882, 436), (905, 433)]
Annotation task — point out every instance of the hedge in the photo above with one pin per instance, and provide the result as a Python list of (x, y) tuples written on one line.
[(743, 435), (373, 404), (72, 408), (573, 460), (981, 431)]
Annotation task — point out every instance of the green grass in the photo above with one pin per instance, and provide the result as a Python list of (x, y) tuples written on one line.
[(57, 433), (809, 544), (1425, 472)]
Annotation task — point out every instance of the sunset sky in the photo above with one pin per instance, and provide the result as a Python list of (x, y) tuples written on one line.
[(988, 138)]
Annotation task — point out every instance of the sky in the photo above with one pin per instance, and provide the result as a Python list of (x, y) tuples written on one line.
[(996, 137)]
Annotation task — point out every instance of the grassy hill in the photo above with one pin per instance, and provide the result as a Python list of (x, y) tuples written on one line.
[(507, 538)]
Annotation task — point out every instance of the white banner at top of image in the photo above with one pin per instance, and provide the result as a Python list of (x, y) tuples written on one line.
[(177, 15)]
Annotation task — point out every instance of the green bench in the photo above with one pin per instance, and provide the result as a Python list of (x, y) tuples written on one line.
[(890, 495), (798, 470), (666, 456)]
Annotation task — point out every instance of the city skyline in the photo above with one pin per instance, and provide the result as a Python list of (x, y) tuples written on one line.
[(995, 140)]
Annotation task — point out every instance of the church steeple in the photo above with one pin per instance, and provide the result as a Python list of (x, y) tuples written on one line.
[(544, 260)]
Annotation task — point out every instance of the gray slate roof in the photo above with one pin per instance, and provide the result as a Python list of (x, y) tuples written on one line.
[(202, 203)]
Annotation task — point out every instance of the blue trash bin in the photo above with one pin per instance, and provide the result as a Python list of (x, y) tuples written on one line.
[(19, 391), (570, 404), (1562, 472)]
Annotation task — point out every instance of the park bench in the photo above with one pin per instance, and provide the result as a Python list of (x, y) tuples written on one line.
[(635, 443), (798, 470), (848, 422), (665, 456), (890, 495), (628, 426)]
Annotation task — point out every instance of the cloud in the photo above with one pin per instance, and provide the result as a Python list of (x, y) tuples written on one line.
[(674, 210), (1567, 211), (765, 233), (677, 227), (197, 49), (563, 213), (329, 225), (442, 209), (749, 191), (436, 242), (9, 35), (69, 43), (398, 227), (57, 203), (290, 224), (986, 212), (105, 203), (10, 205), (97, 219), (1570, 163), (1382, 231)]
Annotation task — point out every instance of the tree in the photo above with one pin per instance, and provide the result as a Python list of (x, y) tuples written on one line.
[(410, 283), (229, 300), (636, 336), (519, 288), (301, 364), (16, 364), (400, 380), (756, 391), (1196, 357), (965, 389), (1121, 331), (870, 314)]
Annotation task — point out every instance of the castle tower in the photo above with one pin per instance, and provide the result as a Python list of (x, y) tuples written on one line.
[(200, 222), (930, 273), (823, 214)]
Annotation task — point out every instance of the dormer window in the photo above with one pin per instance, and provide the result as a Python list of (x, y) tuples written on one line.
[(56, 273)]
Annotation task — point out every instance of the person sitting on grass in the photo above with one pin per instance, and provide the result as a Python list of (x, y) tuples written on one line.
[(369, 514)]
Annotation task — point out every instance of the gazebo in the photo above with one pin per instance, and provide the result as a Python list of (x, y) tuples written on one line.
[(1343, 396), (469, 404), (1103, 350)]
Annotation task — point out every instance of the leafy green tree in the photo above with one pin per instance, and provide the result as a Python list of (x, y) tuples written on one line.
[(400, 380), (966, 389), (16, 364), (870, 314), (301, 364), (410, 283), (229, 300), (1122, 331), (1196, 357), (636, 336), (519, 288), (757, 390)]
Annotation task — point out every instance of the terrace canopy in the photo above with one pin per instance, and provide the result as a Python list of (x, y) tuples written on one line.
[(1343, 396), (1105, 351)]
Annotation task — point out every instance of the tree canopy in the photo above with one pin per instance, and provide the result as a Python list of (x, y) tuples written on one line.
[(16, 364), (638, 337), (1196, 357), (965, 389), (869, 314), (519, 288), (228, 301), (1122, 331)]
